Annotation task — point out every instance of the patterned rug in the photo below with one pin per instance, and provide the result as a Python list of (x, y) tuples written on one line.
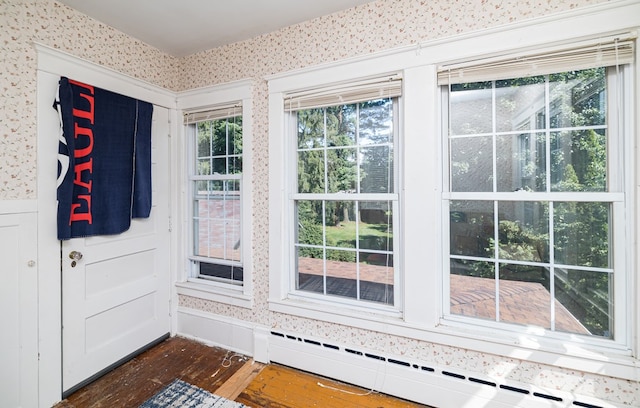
[(180, 394)]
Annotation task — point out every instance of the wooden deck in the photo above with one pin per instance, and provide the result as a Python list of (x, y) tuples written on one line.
[(224, 373)]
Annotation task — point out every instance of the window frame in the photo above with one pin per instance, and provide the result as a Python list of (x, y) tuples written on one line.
[(189, 284), (198, 260), (391, 197), (614, 196), (421, 197)]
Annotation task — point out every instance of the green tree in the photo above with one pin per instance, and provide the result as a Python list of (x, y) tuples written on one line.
[(219, 146)]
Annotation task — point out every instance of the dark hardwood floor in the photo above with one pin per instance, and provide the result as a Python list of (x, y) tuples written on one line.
[(224, 373)]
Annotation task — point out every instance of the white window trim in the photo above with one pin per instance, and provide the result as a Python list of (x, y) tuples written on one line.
[(421, 198), (200, 99)]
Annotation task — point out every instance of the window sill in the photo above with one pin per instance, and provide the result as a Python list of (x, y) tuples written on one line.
[(527, 347), (215, 292)]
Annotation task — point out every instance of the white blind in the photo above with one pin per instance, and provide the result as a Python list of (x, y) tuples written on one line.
[(602, 52), (213, 113), (389, 86)]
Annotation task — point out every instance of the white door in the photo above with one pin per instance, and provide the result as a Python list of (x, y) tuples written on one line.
[(115, 289), (19, 306)]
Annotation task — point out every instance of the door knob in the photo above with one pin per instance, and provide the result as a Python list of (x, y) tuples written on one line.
[(75, 255)]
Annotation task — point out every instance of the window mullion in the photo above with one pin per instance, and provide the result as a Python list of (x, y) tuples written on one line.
[(496, 256), (552, 267), (551, 204), (547, 131), (496, 205), (324, 247)]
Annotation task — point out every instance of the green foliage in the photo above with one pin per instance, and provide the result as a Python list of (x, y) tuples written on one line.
[(310, 233), (219, 146), (518, 243)]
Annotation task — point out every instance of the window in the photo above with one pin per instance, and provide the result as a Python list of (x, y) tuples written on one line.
[(216, 194), (345, 204), (536, 203), (512, 193)]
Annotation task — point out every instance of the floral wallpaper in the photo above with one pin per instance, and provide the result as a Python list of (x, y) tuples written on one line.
[(362, 30), (50, 23)]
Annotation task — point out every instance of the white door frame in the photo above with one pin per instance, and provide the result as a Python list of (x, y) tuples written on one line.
[(52, 62)]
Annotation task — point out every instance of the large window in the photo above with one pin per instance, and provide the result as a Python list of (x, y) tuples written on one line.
[(216, 191), (345, 203), (536, 202), (488, 203)]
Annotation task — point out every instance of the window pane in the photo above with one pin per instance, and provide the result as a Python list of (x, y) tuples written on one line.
[(521, 162), (471, 108), (376, 169), (341, 125), (212, 137), (342, 170), (235, 165), (523, 231), (375, 226), (588, 298), (341, 225), (234, 138), (342, 273), (217, 220), (473, 289), (579, 160), (309, 272), (471, 228), (311, 128), (518, 101), (230, 272), (219, 165), (472, 164), (204, 138), (309, 221), (578, 98), (311, 171), (203, 167), (376, 122), (376, 277), (581, 232), (524, 295)]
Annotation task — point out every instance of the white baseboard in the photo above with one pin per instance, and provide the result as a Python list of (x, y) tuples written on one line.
[(410, 379), (231, 334)]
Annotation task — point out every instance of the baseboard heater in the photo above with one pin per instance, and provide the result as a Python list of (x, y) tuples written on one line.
[(414, 380)]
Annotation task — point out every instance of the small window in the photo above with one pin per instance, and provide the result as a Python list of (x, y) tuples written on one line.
[(216, 194)]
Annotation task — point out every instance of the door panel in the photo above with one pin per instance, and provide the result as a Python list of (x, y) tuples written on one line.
[(18, 302), (115, 297)]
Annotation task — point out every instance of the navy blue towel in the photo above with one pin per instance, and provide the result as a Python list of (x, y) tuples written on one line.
[(104, 160)]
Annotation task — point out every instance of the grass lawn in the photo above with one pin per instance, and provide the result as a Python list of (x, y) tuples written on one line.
[(344, 234)]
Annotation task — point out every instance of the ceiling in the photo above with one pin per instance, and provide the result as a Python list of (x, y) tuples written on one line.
[(185, 27)]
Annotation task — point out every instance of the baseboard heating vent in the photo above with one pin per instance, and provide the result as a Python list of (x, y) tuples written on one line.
[(515, 389), (531, 393), (454, 375)]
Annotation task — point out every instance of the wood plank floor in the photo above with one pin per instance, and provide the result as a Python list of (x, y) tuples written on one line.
[(224, 373)]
